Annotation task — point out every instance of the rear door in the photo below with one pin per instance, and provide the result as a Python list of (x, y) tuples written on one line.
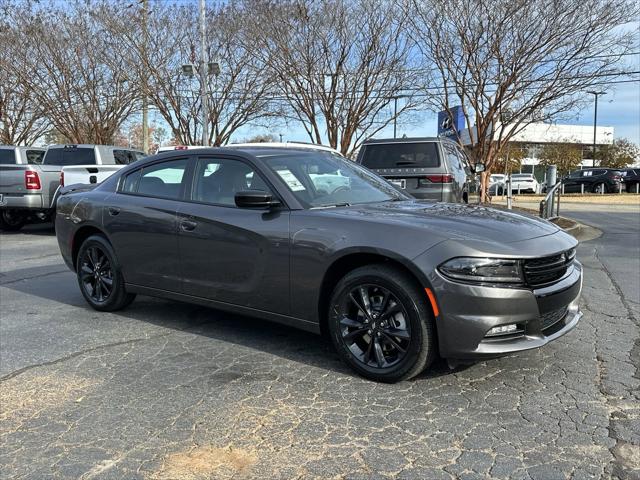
[(413, 167), (140, 219), (229, 254)]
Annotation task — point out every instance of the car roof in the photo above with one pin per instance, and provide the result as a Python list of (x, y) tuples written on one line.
[(373, 141), (90, 145), (283, 145), (21, 147)]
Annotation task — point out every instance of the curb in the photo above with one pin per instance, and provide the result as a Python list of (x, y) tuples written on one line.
[(579, 231)]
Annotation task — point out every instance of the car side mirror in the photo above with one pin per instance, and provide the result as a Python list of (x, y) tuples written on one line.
[(255, 199), (478, 168)]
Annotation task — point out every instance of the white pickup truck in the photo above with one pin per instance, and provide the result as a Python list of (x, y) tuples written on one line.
[(30, 190)]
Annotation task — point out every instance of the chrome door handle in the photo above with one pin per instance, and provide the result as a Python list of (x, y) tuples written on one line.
[(113, 211)]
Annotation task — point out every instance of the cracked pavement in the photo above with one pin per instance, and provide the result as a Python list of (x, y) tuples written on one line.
[(164, 390)]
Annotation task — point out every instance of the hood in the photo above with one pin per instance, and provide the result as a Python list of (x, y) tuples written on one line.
[(452, 220)]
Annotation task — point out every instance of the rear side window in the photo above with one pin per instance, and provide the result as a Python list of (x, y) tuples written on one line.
[(125, 157), (401, 155), (70, 156), (121, 157), (7, 157), (34, 156), (162, 180), (453, 157)]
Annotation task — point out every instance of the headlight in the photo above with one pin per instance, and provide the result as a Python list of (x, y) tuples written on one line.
[(483, 270)]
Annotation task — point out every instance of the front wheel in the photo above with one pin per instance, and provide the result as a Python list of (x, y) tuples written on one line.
[(99, 276), (12, 220), (381, 325)]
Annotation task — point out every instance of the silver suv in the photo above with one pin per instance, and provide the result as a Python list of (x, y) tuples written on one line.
[(428, 168)]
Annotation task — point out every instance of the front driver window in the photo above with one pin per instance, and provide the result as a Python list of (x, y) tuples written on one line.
[(218, 181)]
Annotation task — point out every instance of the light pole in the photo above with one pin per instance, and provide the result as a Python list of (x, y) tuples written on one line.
[(203, 75), (596, 94), (145, 98), (395, 115)]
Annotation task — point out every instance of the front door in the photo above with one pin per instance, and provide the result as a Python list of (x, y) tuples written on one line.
[(141, 221), (229, 254)]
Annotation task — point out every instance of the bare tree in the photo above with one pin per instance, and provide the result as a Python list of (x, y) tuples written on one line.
[(74, 68), (564, 155), (511, 63), (340, 65), (238, 94), (22, 121)]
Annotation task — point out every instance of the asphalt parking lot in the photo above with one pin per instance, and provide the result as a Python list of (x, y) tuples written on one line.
[(165, 390)]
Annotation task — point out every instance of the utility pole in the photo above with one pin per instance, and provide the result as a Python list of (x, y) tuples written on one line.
[(595, 122), (395, 115), (145, 99), (204, 66)]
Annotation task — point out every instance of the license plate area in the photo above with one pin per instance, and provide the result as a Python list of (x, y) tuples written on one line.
[(399, 182)]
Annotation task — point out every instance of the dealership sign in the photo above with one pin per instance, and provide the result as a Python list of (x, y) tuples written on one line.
[(448, 125)]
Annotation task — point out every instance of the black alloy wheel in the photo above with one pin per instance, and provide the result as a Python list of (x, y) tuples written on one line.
[(99, 275), (374, 326), (96, 274), (381, 323)]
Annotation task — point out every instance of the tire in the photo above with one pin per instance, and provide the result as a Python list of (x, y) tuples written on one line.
[(360, 346), (96, 267), (600, 188), (12, 220)]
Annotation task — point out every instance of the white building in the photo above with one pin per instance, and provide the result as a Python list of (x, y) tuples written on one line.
[(535, 135)]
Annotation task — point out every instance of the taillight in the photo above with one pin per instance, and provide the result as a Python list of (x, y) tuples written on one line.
[(61, 178), (180, 147), (444, 178), (32, 180)]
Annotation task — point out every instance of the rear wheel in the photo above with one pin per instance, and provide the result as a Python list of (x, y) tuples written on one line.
[(99, 276), (12, 220), (600, 188), (381, 325)]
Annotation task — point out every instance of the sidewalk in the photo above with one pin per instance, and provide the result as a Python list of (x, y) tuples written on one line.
[(604, 203)]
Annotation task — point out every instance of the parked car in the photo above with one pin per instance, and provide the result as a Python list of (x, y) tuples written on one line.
[(392, 280), (631, 179), (496, 183), (426, 168), (596, 180), (29, 190), (524, 183)]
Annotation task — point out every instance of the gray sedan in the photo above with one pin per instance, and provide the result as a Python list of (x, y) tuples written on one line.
[(307, 238)]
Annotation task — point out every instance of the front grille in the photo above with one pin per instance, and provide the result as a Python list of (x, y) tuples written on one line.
[(549, 319), (540, 272)]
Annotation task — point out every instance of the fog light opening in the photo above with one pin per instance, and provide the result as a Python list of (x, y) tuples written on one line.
[(503, 330)]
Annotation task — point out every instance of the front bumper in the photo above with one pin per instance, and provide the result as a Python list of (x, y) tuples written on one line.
[(30, 201), (468, 312)]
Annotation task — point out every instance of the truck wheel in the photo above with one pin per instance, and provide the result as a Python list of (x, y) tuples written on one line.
[(12, 220)]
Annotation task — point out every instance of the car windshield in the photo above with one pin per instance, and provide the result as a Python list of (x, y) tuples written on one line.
[(326, 179)]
